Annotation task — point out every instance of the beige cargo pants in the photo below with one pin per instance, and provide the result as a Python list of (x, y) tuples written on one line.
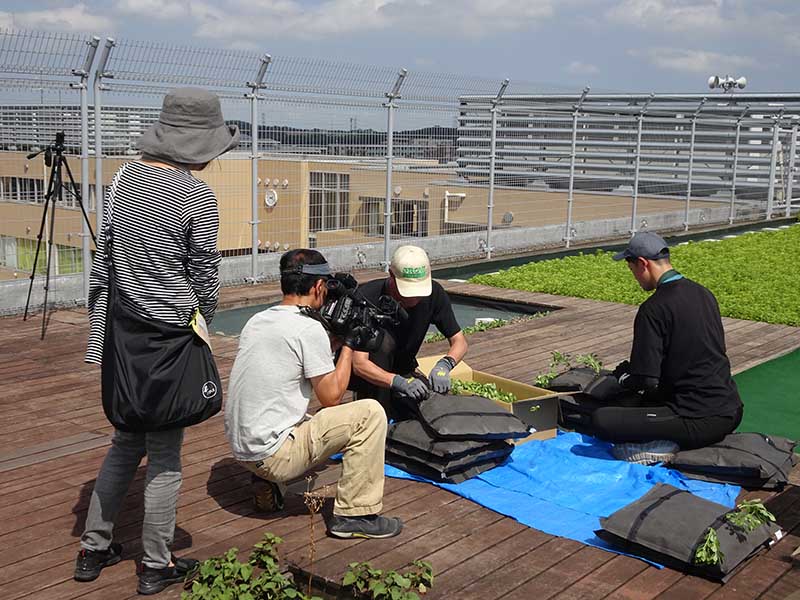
[(358, 430)]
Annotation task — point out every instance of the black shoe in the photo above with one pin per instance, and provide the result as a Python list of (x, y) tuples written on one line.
[(89, 563), (267, 495), (369, 526), (153, 581)]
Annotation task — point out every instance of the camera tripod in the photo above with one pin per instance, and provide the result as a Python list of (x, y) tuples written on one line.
[(55, 159)]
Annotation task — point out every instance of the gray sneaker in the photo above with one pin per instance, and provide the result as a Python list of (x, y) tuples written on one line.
[(369, 526), (646, 453)]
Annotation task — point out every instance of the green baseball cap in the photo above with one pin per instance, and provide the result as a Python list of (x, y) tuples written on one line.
[(412, 271)]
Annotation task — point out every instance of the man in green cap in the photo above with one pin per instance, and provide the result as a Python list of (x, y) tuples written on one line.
[(388, 372)]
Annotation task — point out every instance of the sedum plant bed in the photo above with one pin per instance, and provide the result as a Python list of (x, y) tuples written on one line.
[(753, 276)]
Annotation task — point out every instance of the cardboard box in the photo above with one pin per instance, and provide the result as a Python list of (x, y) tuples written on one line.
[(535, 406)]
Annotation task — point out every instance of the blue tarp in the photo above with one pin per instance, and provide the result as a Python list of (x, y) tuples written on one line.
[(563, 486)]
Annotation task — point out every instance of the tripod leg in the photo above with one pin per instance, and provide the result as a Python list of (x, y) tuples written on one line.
[(58, 196), (77, 194), (45, 206)]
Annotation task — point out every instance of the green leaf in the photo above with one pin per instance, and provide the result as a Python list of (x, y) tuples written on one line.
[(709, 552), (349, 578)]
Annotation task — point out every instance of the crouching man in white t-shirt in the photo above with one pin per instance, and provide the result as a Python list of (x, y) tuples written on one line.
[(283, 355)]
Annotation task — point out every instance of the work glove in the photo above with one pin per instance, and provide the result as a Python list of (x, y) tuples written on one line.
[(358, 338), (439, 376), (621, 370), (411, 387)]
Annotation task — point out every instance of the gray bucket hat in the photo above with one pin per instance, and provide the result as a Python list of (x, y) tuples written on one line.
[(190, 129)]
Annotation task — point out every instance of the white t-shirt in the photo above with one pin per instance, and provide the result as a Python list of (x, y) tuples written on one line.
[(269, 390)]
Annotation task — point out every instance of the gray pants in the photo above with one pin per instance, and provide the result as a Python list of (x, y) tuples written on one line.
[(163, 480)]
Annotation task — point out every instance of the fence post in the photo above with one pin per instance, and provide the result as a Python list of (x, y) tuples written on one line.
[(640, 120), (790, 182), (99, 73), (387, 211), (253, 96), (492, 157), (736, 163), (572, 156), (83, 74), (773, 166), (691, 164)]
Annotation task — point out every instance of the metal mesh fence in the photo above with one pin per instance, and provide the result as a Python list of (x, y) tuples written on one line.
[(357, 159), (38, 100)]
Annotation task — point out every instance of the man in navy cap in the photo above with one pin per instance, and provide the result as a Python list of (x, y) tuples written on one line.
[(678, 364)]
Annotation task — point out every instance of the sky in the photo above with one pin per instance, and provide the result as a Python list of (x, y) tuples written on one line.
[(620, 45)]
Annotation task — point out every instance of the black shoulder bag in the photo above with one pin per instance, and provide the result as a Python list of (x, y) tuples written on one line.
[(155, 375)]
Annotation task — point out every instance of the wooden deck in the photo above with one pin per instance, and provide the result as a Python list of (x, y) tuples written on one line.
[(53, 436)]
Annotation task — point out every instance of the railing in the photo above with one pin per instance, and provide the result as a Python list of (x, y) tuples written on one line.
[(357, 159)]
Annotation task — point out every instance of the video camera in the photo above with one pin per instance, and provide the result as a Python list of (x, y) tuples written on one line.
[(346, 308)]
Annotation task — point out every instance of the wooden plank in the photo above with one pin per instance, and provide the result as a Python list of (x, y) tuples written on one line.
[(785, 588), (553, 580), (521, 570), (648, 584), (689, 587), (488, 562), (605, 579), (752, 580)]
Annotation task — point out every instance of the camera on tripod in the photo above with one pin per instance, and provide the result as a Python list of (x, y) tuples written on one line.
[(345, 308), (57, 148)]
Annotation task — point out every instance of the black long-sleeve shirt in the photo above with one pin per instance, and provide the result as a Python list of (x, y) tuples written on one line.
[(678, 339)]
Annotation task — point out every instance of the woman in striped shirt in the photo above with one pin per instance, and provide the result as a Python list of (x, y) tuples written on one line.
[(165, 259)]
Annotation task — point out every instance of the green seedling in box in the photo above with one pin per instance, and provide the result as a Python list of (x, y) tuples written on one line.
[(487, 390)]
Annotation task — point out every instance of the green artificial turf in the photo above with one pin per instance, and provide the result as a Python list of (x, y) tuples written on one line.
[(753, 276), (771, 396)]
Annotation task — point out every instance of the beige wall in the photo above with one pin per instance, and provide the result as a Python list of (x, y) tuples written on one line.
[(288, 222)]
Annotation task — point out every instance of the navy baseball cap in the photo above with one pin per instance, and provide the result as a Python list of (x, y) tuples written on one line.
[(645, 244)]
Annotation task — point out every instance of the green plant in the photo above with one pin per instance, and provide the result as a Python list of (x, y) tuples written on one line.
[(260, 578), (486, 325), (749, 515), (367, 582), (487, 390), (590, 360), (561, 361), (709, 552), (751, 275)]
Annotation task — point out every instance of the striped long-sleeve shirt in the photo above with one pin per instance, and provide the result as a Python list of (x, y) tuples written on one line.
[(165, 224)]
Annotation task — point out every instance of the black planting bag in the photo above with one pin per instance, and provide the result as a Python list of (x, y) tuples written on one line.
[(438, 474), (605, 388), (449, 417), (751, 460), (573, 380), (667, 525), (409, 439)]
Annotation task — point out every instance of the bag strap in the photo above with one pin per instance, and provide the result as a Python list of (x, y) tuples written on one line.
[(109, 234), (634, 531)]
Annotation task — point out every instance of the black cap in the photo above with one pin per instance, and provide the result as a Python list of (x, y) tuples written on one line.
[(645, 244)]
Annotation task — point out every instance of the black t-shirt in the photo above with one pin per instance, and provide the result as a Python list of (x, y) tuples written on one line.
[(678, 339), (436, 309)]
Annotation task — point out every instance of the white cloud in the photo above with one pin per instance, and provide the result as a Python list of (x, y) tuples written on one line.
[(577, 67), (76, 18), (693, 61), (675, 15), (229, 19), (161, 10)]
